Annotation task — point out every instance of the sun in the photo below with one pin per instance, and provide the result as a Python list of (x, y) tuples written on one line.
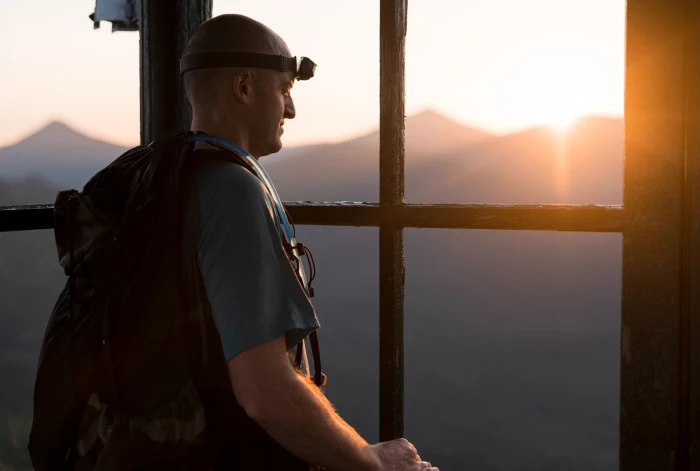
[(561, 120), (560, 109)]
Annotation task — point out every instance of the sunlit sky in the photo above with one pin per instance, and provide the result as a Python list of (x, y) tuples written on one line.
[(499, 65)]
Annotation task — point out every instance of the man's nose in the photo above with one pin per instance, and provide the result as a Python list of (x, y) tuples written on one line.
[(289, 111)]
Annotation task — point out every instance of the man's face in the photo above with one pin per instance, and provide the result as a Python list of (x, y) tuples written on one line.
[(272, 105)]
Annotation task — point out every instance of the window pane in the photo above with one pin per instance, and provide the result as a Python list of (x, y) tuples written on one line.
[(63, 130), (513, 348), (331, 147), (30, 281), (347, 304), (521, 103), (71, 101)]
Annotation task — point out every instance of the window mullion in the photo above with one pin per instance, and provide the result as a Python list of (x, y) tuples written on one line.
[(651, 436), (392, 39)]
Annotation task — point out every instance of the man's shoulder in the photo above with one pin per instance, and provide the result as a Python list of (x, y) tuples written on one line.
[(229, 180), (227, 173), (229, 192)]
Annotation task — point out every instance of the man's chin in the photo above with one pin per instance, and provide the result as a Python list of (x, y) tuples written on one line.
[(273, 149)]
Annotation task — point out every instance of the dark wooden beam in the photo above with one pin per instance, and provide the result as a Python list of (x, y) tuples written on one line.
[(165, 28), (581, 218), (192, 14), (689, 407), (26, 217), (650, 427), (392, 41)]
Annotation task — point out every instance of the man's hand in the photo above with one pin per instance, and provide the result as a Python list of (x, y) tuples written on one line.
[(398, 455)]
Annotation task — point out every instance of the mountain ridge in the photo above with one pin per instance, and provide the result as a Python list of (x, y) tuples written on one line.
[(58, 131)]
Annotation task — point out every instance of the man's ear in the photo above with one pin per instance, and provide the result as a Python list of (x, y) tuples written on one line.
[(242, 86)]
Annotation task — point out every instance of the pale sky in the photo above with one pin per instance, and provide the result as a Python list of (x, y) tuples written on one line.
[(500, 65)]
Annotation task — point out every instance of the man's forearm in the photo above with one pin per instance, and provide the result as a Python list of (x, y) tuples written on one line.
[(303, 421)]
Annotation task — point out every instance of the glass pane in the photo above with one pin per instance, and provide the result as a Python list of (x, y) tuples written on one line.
[(513, 349), (30, 281), (331, 147), (71, 101), (347, 304), (61, 131), (529, 105)]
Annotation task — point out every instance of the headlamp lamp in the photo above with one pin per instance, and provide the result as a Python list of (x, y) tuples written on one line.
[(303, 70)]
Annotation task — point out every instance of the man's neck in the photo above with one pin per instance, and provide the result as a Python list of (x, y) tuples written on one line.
[(231, 133)]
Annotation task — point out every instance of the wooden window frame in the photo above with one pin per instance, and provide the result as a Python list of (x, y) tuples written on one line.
[(660, 219)]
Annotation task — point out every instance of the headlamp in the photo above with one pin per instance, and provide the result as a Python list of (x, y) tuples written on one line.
[(304, 70)]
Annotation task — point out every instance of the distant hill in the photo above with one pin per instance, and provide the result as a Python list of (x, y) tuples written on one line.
[(28, 190), (446, 162), (512, 337), (349, 171), (58, 154), (68, 159), (536, 166), (429, 132)]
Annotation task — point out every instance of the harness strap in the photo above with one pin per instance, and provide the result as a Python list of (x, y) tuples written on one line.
[(319, 378), (71, 452), (300, 352)]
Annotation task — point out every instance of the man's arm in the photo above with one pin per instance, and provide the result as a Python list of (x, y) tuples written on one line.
[(294, 412), (260, 311)]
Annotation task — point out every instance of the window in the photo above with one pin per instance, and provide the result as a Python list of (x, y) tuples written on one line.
[(30, 281), (331, 148), (346, 302), (512, 347), (513, 102), (659, 266), (69, 108)]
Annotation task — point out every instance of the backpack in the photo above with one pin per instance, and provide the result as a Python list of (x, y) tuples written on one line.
[(106, 235), (120, 376)]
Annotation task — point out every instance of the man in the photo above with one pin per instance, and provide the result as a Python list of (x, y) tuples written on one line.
[(259, 308)]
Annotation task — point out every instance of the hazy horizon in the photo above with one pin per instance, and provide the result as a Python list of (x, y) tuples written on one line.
[(44, 124)]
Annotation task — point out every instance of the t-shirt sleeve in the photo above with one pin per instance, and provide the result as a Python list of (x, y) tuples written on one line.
[(254, 293)]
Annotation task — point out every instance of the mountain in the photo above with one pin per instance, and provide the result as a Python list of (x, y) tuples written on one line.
[(66, 158), (58, 154), (349, 171), (580, 166), (512, 337), (535, 166), (426, 132), (429, 132), (446, 162)]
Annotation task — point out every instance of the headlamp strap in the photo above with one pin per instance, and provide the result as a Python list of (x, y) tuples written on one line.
[(238, 59)]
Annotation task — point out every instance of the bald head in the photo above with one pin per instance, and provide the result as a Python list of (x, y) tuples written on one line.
[(226, 33), (247, 102), (234, 33)]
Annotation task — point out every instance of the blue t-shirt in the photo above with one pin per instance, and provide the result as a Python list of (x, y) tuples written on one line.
[(254, 293)]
